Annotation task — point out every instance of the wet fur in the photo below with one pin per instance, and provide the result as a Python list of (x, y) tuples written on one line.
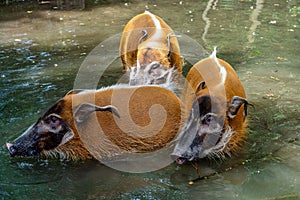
[(75, 149), (235, 127)]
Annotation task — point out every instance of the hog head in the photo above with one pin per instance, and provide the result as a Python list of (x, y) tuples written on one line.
[(209, 127), (156, 63), (55, 133)]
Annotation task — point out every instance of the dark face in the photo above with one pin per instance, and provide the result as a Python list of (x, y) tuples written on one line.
[(46, 134), (204, 130)]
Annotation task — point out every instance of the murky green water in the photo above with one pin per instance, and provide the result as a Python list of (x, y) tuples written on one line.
[(41, 51)]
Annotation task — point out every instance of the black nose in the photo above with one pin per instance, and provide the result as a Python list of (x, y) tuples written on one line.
[(179, 159), (11, 149)]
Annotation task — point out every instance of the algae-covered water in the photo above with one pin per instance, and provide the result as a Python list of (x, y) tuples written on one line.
[(41, 51)]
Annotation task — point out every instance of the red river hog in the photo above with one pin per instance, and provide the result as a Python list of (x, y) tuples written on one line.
[(215, 101), (149, 50), (106, 121)]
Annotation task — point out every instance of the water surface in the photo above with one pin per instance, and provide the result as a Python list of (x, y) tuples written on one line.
[(41, 51)]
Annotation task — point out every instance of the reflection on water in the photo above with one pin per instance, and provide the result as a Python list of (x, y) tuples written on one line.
[(254, 19), (206, 19), (41, 51)]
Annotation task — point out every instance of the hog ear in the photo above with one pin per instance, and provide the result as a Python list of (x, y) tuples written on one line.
[(235, 105), (84, 110), (170, 53), (144, 36)]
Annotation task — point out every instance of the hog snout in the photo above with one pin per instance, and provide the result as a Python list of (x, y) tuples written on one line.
[(178, 158), (182, 158), (11, 149), (19, 150)]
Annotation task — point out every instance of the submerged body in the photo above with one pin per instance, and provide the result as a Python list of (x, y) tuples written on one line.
[(216, 104), (149, 50), (103, 123)]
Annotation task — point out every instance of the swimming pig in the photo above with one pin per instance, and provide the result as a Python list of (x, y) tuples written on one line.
[(215, 100), (85, 124)]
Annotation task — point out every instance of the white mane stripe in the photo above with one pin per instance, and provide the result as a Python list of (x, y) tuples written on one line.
[(157, 34), (222, 69), (125, 86)]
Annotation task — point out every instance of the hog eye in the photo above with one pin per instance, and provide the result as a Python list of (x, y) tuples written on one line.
[(203, 85), (209, 119), (54, 119), (155, 66)]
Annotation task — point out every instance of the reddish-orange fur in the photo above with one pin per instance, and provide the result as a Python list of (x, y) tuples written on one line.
[(114, 128), (207, 70)]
